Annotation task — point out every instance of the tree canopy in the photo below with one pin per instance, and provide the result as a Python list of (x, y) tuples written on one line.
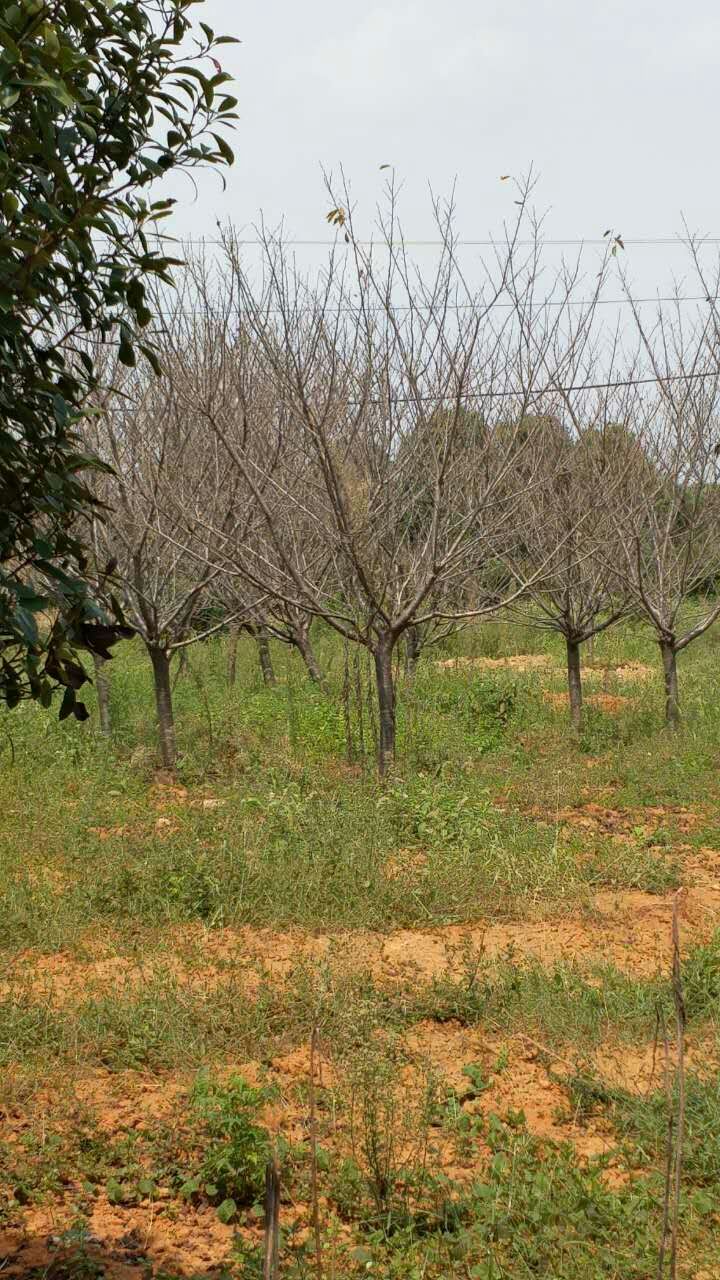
[(98, 101)]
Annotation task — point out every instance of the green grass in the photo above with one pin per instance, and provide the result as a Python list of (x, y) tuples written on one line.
[(96, 858), (168, 1024), (300, 841)]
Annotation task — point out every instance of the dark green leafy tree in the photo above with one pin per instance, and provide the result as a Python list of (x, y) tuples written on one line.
[(99, 101)]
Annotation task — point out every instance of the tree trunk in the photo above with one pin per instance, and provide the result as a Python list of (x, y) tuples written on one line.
[(382, 654), (672, 700), (160, 659), (574, 683), (102, 685), (412, 651), (266, 666), (301, 637), (232, 648)]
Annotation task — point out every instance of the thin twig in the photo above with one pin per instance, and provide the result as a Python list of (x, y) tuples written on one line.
[(680, 1021), (314, 1160), (656, 1039), (200, 686), (543, 1048), (676, 1120), (668, 1152)]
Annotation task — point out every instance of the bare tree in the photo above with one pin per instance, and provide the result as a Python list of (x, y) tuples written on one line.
[(386, 499), (162, 462), (568, 524), (376, 427), (670, 531), (289, 625), (200, 331)]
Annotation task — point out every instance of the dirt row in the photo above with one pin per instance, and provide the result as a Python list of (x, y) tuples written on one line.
[(630, 929)]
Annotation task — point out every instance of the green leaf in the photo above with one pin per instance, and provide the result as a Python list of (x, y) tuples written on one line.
[(27, 624), (61, 410), (32, 602), (81, 90), (152, 359), (113, 1190), (10, 204), (225, 150), (126, 351), (227, 1210)]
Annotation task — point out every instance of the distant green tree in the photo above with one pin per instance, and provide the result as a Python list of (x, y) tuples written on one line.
[(98, 100)]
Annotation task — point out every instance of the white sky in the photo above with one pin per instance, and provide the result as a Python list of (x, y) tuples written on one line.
[(614, 104)]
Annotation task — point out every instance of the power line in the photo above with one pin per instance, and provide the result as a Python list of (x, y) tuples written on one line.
[(463, 306), (580, 386), (576, 242)]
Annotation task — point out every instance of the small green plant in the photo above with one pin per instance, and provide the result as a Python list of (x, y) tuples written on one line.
[(479, 1081), (502, 1061), (232, 1168), (389, 1130), (464, 1127), (534, 1209), (435, 813), (76, 1259)]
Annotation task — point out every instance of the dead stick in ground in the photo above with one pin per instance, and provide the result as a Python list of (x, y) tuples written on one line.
[(676, 1123), (680, 1021), (313, 1159), (272, 1220), (664, 1230)]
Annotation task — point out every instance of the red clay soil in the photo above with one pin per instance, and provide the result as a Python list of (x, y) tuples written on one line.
[(612, 703), (623, 822), (629, 672), (519, 662), (186, 1239), (627, 928), (631, 929)]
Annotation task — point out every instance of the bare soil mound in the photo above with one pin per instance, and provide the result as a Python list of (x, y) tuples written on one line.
[(519, 662)]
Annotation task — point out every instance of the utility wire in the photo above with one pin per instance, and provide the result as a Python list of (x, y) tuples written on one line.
[(397, 244), (580, 386), (463, 306), (654, 380)]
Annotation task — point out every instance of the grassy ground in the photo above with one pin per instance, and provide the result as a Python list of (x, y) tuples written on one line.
[(479, 952)]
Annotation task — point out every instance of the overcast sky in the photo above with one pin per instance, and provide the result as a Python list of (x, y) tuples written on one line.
[(614, 104)]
